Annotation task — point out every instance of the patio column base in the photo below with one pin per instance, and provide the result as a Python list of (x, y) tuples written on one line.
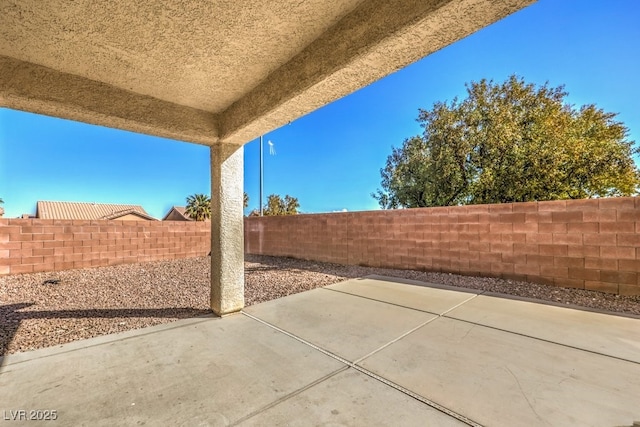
[(227, 238)]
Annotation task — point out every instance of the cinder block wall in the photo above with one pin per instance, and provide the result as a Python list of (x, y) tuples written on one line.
[(592, 244), (34, 245)]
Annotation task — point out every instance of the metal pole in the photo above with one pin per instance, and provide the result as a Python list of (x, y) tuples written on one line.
[(261, 178)]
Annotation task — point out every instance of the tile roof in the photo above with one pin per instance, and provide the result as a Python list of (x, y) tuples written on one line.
[(180, 210), (81, 210)]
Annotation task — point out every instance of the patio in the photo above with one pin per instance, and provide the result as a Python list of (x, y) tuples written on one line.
[(369, 351)]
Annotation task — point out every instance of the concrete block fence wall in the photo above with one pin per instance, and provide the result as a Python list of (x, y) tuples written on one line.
[(591, 244), (36, 245)]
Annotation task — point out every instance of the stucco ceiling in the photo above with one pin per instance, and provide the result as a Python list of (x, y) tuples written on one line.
[(205, 71)]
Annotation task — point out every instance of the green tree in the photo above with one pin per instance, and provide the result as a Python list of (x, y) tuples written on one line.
[(276, 205), (198, 207), (510, 142), (245, 200)]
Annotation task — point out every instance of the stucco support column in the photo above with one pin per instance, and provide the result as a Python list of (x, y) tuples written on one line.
[(227, 238)]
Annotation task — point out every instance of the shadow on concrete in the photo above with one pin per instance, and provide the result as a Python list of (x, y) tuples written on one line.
[(12, 315)]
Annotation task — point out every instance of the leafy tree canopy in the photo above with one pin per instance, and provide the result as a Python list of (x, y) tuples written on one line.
[(198, 207), (510, 142), (276, 205)]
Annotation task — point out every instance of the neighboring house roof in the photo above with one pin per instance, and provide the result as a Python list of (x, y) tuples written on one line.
[(80, 210), (177, 213)]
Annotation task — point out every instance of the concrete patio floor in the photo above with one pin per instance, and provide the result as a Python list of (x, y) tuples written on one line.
[(371, 351)]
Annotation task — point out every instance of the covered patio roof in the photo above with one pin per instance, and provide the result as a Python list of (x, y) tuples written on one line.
[(218, 73), (210, 71)]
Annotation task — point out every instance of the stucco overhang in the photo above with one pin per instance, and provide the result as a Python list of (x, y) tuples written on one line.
[(208, 71)]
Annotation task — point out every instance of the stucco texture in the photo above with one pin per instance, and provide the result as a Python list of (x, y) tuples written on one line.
[(210, 71)]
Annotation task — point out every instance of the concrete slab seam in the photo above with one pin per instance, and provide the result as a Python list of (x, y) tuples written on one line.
[(418, 397), (459, 304), (543, 340), (370, 374), (378, 300), (414, 329), (423, 284), (404, 306), (396, 339), (498, 295), (299, 339), (560, 305), (288, 396), (444, 314)]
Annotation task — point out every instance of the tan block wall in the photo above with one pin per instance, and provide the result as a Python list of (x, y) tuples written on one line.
[(591, 244), (34, 245)]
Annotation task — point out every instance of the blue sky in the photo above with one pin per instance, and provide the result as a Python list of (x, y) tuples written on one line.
[(330, 159)]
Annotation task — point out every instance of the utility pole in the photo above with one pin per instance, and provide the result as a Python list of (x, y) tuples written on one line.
[(261, 178)]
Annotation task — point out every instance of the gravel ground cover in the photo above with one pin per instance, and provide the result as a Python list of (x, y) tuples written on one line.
[(45, 309)]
